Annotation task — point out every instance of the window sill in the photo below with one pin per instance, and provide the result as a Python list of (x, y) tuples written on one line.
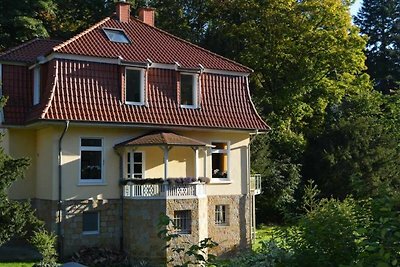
[(221, 224), (91, 183), (134, 103), (91, 233), (220, 181), (189, 106)]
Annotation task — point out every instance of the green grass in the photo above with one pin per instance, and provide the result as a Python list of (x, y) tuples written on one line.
[(264, 233), (17, 264)]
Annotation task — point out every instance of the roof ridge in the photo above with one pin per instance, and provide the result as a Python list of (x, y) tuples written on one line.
[(75, 37), (192, 44)]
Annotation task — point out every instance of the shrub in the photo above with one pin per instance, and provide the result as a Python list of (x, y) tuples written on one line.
[(45, 244)]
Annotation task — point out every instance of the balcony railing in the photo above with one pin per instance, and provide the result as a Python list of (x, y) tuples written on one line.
[(255, 184), (146, 191)]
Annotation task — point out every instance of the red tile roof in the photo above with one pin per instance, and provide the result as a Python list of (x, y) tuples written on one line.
[(147, 42), (85, 91), (162, 138), (92, 92), (29, 51)]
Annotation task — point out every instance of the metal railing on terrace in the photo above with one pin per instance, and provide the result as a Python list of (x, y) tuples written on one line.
[(255, 184), (165, 190)]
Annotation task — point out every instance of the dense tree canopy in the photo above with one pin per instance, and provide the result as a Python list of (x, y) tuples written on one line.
[(380, 21), (21, 21)]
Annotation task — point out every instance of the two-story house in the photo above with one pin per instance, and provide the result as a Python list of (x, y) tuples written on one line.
[(124, 122)]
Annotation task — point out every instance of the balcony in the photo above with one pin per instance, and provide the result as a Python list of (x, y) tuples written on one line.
[(164, 191), (255, 184)]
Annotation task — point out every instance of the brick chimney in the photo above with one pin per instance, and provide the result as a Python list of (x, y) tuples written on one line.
[(123, 10), (146, 14)]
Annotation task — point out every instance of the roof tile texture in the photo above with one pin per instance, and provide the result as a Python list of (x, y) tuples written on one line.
[(93, 92), (147, 42), (29, 51)]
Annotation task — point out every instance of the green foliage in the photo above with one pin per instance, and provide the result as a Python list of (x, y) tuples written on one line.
[(45, 243), (22, 21), (379, 20), (184, 253), (357, 152)]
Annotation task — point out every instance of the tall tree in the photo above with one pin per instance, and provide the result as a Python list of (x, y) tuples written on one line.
[(380, 21), (21, 21)]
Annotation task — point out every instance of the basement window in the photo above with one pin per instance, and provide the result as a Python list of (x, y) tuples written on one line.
[(116, 35), (90, 223), (182, 221)]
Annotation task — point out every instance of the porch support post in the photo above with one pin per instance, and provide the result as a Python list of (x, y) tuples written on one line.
[(196, 162), (166, 150)]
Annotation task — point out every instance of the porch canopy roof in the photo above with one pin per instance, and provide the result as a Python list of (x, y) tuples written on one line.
[(162, 139)]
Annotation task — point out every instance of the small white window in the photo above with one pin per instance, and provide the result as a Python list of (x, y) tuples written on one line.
[(90, 222), (134, 86), (221, 217), (188, 86), (134, 164), (36, 85), (116, 35), (182, 221), (91, 160), (220, 160)]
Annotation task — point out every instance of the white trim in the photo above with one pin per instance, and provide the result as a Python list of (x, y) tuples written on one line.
[(142, 85), (1, 93), (195, 85), (100, 181), (98, 224), (36, 85), (196, 163), (228, 153), (119, 61)]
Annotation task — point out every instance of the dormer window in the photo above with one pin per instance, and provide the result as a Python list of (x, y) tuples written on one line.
[(36, 85), (134, 86), (117, 36), (188, 90)]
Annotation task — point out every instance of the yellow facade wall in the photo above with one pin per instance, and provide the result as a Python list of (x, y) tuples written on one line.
[(42, 146), (22, 143)]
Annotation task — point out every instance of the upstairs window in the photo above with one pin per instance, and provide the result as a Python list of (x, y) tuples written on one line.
[(189, 90), (134, 86), (36, 85), (220, 160), (117, 36), (91, 160)]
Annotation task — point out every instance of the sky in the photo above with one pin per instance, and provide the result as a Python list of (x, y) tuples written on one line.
[(354, 9)]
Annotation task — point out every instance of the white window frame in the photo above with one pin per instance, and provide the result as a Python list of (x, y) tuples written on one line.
[(132, 162), (224, 212), (36, 85), (228, 153), (96, 232), (188, 220), (142, 86), (195, 88), (91, 148)]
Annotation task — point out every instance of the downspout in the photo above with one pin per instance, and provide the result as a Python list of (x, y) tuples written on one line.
[(252, 196), (121, 211), (59, 228)]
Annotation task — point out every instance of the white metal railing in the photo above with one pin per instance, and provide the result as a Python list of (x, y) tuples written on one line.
[(255, 184), (164, 190)]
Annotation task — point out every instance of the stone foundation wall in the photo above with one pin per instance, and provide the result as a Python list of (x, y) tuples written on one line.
[(236, 234), (141, 219), (109, 228), (46, 210)]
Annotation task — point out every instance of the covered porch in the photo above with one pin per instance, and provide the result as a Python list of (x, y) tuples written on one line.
[(136, 183)]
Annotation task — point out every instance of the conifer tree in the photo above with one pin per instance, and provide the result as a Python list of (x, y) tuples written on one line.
[(380, 21)]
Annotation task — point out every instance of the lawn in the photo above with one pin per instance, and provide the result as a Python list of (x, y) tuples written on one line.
[(264, 233), (17, 264)]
